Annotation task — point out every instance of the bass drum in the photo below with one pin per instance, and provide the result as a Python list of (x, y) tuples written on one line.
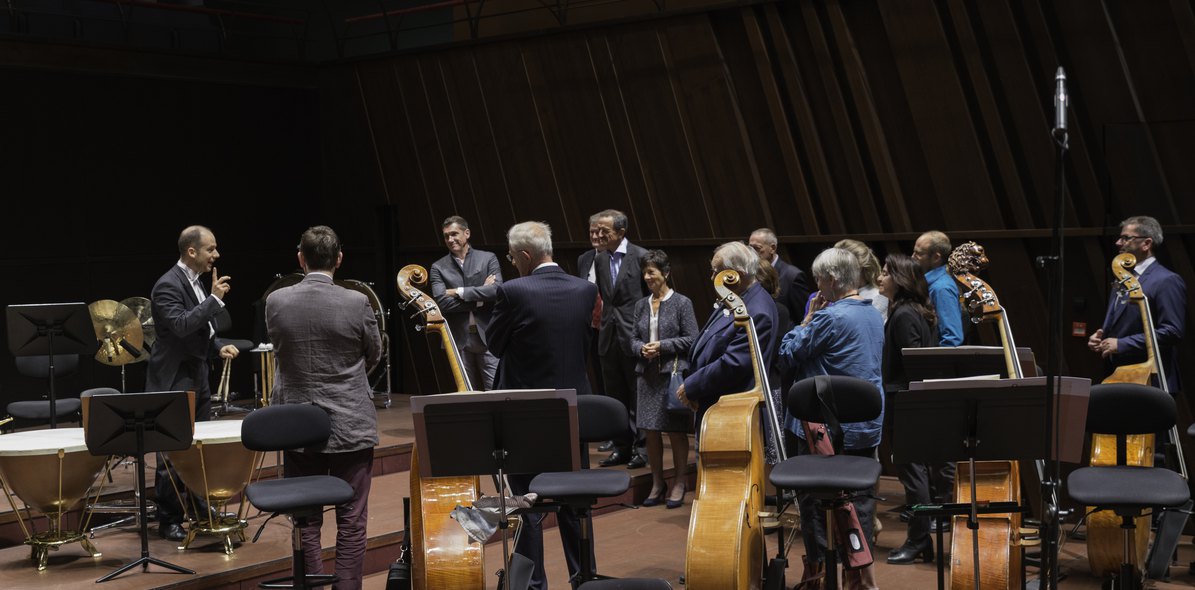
[(378, 376)]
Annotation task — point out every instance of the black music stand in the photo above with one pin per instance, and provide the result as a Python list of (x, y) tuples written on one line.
[(136, 424), (497, 433), (937, 422), (31, 332)]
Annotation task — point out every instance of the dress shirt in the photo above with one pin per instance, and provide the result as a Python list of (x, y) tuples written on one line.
[(616, 260)]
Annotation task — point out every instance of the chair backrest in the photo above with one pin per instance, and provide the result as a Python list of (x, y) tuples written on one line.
[(285, 427), (855, 400), (601, 418), (1128, 408), (98, 391), (38, 366)]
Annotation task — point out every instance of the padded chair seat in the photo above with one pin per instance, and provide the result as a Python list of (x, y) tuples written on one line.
[(1124, 486), (295, 493), (627, 584), (1191, 430), (40, 410), (812, 473), (591, 483), (242, 345)]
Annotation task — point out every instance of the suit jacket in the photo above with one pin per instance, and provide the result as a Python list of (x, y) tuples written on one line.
[(540, 331), (178, 359), (676, 328), (325, 341), (619, 300), (1167, 296), (585, 262), (720, 362), (795, 288), (446, 274)]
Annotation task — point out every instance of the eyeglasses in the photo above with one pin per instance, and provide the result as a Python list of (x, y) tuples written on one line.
[(1127, 238), (510, 259)]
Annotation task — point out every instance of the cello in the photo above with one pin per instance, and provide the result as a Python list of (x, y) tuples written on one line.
[(1105, 544), (442, 554), (725, 548), (1000, 536)]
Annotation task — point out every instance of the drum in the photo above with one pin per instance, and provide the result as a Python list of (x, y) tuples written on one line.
[(218, 467), (50, 471)]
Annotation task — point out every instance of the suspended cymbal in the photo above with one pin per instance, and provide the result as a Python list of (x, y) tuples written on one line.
[(119, 331), (141, 307)]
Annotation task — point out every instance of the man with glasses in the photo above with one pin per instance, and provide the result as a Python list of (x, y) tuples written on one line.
[(931, 251), (1121, 340)]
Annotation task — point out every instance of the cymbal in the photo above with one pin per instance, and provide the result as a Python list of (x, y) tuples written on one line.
[(141, 307), (119, 331)]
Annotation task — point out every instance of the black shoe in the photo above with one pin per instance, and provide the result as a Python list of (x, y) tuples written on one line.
[(171, 531), (636, 462), (909, 552), (616, 458), (606, 447)]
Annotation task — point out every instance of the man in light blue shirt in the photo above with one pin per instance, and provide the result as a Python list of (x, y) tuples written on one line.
[(931, 251)]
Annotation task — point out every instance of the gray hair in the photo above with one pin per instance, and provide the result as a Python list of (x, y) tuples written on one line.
[(618, 218), (1147, 226), (739, 257), (533, 236), (840, 266), (767, 235)]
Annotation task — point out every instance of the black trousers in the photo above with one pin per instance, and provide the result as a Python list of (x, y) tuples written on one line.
[(925, 484), (618, 374), (531, 539), (170, 509)]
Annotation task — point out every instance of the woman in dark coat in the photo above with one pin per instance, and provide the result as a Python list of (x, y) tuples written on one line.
[(910, 325), (665, 329)]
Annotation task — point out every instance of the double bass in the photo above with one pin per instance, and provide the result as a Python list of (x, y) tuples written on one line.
[(725, 549), (442, 554), (1000, 535), (1105, 539)]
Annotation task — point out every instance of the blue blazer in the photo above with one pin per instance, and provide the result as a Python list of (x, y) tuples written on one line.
[(540, 331), (1167, 295), (720, 362)]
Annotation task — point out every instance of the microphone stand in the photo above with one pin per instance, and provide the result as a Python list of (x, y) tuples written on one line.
[(1053, 265)]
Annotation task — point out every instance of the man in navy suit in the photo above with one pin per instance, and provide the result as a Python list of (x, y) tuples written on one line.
[(464, 283), (540, 333), (795, 285), (1121, 340), (184, 314), (620, 283), (720, 362)]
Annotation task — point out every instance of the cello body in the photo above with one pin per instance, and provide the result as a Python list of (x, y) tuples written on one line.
[(725, 547), (442, 555), (995, 481)]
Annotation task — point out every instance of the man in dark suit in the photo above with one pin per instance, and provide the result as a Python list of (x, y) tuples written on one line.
[(720, 362), (620, 283), (585, 270), (183, 314), (318, 319), (1121, 340), (464, 283), (795, 285), (540, 333)]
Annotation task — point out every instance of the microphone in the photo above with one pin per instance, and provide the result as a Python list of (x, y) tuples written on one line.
[(1060, 101)]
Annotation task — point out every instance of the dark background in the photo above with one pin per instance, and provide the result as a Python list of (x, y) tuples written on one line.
[(823, 119)]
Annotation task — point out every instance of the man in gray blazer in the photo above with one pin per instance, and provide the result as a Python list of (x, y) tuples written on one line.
[(464, 284), (326, 340)]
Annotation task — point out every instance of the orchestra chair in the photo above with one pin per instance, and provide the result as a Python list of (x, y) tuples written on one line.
[(37, 412), (832, 480), (1122, 409), (599, 418), (290, 427)]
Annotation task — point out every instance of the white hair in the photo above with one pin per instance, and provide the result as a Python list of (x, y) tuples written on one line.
[(535, 237), (840, 266)]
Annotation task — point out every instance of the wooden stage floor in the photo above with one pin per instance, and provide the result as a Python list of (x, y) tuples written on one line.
[(643, 542)]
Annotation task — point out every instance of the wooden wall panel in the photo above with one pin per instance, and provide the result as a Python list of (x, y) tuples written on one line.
[(823, 118)]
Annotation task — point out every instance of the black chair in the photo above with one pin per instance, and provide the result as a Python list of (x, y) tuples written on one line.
[(289, 427), (833, 480), (599, 418), (37, 412), (1122, 409)]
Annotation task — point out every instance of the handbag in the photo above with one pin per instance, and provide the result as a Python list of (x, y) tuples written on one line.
[(674, 382)]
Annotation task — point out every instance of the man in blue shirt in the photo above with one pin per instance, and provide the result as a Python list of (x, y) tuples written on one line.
[(931, 251)]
